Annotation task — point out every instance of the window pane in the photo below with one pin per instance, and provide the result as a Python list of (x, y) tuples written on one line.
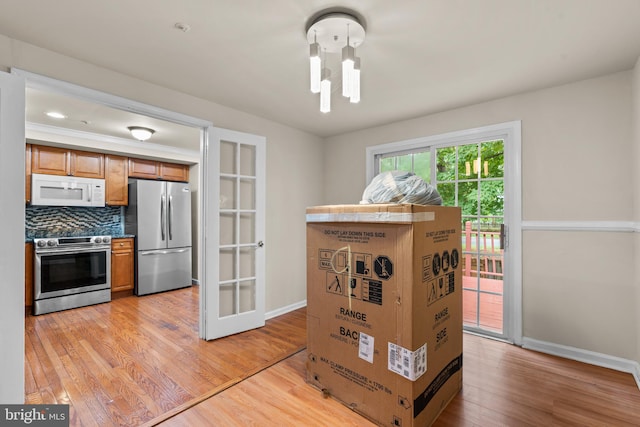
[(247, 160), (247, 296), (404, 163), (447, 193), (227, 157), (422, 165), (446, 161), (468, 197), (468, 164), (227, 305), (492, 158), (387, 164), (492, 198)]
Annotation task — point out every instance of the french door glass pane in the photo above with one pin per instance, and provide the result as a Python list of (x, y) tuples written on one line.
[(247, 295), (227, 157), (247, 228), (228, 295), (247, 160), (227, 228), (227, 264), (247, 194), (227, 193)]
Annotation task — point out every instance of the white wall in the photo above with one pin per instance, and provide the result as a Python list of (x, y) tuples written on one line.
[(578, 287), (635, 161)]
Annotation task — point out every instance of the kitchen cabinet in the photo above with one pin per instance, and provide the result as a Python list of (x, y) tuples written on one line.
[(62, 161), (151, 169), (122, 265), (27, 180), (116, 172), (174, 172), (28, 274)]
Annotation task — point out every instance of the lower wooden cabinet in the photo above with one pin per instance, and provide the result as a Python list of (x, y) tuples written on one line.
[(28, 274), (122, 265)]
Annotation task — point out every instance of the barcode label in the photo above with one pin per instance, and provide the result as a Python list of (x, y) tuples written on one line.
[(366, 348), (407, 363)]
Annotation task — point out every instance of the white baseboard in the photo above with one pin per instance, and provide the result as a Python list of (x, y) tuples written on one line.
[(284, 310), (586, 356)]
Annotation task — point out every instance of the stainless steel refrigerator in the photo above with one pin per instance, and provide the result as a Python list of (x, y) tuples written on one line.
[(159, 215)]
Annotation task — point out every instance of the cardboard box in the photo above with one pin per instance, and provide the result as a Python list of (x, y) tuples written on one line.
[(384, 309)]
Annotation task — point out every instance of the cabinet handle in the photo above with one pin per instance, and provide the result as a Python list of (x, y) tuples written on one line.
[(121, 244)]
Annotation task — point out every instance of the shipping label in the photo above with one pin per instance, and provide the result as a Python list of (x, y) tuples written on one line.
[(407, 363), (366, 348)]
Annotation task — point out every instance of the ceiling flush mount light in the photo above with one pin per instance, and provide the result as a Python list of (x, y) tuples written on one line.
[(141, 133), (335, 32), (56, 115)]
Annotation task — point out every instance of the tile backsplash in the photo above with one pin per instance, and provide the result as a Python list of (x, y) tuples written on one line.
[(60, 221)]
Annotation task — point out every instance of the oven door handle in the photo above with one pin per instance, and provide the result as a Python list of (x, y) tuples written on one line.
[(43, 252), (164, 251)]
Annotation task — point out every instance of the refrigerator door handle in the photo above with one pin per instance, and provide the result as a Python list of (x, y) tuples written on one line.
[(163, 251), (169, 215), (162, 225)]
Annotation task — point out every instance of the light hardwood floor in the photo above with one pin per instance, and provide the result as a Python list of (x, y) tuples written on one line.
[(134, 359), (139, 361)]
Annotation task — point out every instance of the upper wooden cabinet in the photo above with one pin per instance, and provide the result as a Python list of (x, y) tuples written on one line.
[(174, 172), (151, 169), (116, 172), (61, 161)]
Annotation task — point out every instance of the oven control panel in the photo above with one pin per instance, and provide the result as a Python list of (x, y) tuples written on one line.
[(71, 242)]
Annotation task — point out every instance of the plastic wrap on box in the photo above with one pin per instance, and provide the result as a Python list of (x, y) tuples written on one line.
[(400, 187)]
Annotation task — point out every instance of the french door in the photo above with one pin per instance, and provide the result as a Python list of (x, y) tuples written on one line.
[(234, 258), (470, 170)]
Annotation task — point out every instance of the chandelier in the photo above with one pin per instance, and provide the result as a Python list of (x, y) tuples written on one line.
[(335, 33)]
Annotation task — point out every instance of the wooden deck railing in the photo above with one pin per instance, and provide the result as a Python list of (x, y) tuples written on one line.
[(482, 254)]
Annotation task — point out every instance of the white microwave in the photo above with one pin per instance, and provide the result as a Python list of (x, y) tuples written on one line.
[(55, 190)]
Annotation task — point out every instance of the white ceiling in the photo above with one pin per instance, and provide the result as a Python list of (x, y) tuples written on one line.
[(419, 56)]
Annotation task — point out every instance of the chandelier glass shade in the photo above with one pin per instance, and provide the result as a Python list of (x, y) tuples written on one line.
[(335, 33)]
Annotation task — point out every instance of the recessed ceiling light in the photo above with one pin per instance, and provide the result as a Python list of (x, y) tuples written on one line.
[(56, 115)]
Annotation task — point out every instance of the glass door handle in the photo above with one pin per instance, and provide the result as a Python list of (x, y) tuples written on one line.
[(503, 236)]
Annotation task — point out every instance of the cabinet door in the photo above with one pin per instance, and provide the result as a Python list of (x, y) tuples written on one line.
[(121, 265), (116, 172), (27, 176), (28, 274), (174, 172), (139, 168), (49, 160), (86, 164)]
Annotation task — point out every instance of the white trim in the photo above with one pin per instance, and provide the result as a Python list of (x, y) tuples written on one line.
[(611, 226), (284, 310), (117, 145), (586, 356), (40, 82)]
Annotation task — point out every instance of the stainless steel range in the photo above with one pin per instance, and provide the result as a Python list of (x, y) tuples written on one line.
[(71, 272)]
